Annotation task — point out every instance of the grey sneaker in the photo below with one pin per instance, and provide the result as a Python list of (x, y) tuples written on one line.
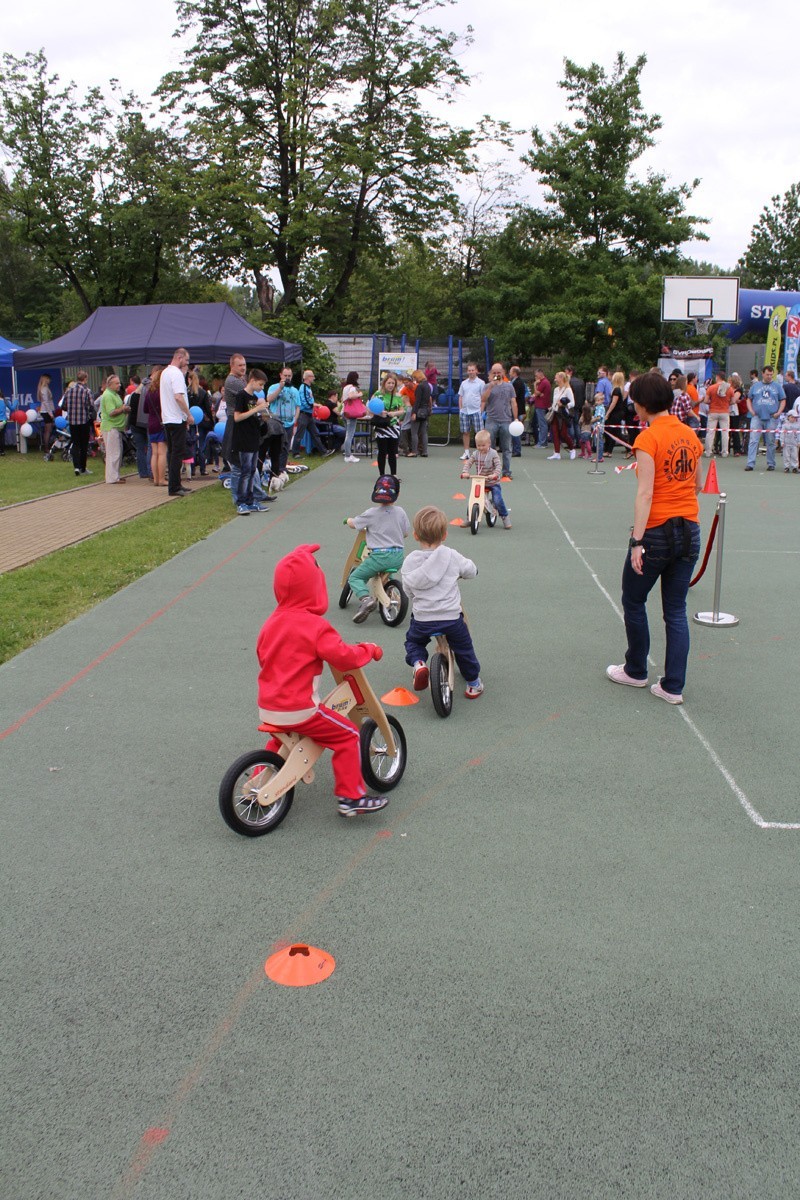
[(365, 608), (367, 804), (670, 697), (506, 522), (620, 675)]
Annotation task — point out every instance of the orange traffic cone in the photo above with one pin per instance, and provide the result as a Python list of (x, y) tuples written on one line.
[(399, 697), (299, 966), (711, 485), (459, 496), (457, 521)]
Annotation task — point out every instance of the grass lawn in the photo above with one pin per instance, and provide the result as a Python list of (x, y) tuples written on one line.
[(39, 598), (27, 476)]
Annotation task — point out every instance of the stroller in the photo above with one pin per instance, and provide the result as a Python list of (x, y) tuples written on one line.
[(60, 445)]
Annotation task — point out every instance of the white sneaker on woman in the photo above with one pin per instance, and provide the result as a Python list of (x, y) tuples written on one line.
[(351, 458), (554, 458), (572, 454)]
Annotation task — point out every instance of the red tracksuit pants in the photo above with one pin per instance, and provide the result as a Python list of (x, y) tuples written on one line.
[(341, 737)]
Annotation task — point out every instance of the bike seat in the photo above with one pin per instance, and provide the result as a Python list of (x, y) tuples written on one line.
[(265, 727)]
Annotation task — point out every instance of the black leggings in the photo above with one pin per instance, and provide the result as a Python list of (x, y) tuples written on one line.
[(387, 448)]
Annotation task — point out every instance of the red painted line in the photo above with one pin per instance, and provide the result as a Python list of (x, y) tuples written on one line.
[(187, 591)]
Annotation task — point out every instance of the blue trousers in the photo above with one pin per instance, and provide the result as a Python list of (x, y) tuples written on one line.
[(671, 551), (458, 638)]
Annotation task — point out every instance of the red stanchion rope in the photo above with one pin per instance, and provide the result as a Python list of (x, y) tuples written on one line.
[(709, 548)]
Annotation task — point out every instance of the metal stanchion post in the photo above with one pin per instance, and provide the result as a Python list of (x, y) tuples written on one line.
[(599, 455), (716, 617)]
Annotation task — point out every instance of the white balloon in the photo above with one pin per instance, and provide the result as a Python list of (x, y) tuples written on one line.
[(516, 429), (32, 415), (26, 430)]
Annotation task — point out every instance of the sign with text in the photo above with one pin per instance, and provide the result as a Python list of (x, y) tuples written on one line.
[(400, 360)]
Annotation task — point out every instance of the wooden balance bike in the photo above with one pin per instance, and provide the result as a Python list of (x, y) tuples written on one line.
[(479, 503), (388, 591), (257, 790)]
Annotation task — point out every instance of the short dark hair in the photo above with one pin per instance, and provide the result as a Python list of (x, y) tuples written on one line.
[(257, 374), (652, 392)]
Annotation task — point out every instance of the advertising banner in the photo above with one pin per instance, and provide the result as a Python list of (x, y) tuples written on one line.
[(772, 355), (792, 339), (400, 360)]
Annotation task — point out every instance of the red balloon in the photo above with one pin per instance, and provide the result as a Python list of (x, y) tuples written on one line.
[(19, 415), (321, 413)]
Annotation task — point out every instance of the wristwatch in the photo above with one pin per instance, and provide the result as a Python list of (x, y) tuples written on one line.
[(635, 542)]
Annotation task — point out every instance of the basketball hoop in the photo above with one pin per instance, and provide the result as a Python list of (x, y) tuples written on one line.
[(701, 326)]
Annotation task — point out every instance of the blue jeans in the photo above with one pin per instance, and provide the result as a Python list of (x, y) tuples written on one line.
[(767, 426), (458, 638), (542, 428), (671, 551), (350, 428), (245, 484), (496, 493), (501, 439), (141, 440)]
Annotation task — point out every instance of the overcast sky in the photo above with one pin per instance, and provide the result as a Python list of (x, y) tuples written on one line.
[(725, 97)]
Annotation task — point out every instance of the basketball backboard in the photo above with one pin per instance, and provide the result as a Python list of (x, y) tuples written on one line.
[(700, 298)]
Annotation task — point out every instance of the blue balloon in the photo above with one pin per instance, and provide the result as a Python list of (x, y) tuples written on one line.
[(219, 429), (61, 422), (376, 405), (197, 413)]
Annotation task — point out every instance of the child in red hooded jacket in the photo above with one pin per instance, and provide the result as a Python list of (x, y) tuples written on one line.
[(292, 648)]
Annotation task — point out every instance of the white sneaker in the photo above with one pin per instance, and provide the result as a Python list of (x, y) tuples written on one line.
[(554, 458), (351, 458), (572, 454), (620, 675), (465, 456), (670, 697)]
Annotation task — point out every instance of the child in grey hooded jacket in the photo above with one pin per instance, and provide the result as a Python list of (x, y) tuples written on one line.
[(430, 580)]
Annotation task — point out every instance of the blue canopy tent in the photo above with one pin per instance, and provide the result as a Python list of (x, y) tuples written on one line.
[(21, 383), (150, 333)]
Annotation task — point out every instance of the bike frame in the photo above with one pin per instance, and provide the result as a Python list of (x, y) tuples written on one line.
[(353, 696), (358, 553)]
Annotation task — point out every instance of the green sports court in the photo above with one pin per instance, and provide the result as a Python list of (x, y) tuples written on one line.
[(566, 953)]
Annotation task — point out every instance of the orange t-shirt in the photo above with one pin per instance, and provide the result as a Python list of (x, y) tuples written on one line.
[(693, 394), (717, 403), (676, 450)]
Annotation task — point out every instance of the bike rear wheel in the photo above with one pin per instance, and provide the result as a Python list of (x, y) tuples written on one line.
[(240, 810), (441, 692)]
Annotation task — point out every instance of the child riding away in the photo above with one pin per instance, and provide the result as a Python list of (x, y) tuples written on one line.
[(386, 526), (294, 644), (486, 462), (430, 580)]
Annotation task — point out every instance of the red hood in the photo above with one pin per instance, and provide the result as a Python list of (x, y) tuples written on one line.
[(299, 581)]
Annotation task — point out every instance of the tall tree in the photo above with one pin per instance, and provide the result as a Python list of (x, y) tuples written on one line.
[(99, 193), (587, 167), (312, 117), (772, 257)]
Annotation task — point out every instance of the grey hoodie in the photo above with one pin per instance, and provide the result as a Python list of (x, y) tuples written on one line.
[(430, 579)]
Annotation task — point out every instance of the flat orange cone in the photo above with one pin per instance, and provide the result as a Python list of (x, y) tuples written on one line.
[(459, 496), (399, 697), (711, 485), (375, 463), (457, 521), (299, 965), (505, 479)]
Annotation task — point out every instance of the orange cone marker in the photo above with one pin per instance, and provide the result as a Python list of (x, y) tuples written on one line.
[(399, 697), (711, 485), (299, 966), (457, 521), (459, 496)]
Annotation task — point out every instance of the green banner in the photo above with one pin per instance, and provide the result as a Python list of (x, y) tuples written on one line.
[(772, 355)]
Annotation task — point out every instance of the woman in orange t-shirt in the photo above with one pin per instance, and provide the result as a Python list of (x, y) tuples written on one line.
[(665, 538)]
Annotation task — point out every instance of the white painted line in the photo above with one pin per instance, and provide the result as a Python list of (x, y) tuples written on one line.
[(752, 812)]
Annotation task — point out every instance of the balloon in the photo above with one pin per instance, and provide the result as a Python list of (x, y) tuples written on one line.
[(219, 429), (516, 429), (26, 430), (32, 415), (321, 413), (18, 415), (376, 405), (197, 413), (61, 422)]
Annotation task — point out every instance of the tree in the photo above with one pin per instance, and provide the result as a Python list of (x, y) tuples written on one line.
[(312, 119), (99, 194), (772, 257), (587, 167)]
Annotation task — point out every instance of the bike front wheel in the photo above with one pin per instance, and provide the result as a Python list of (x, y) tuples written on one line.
[(474, 518), (382, 770), (441, 692), (238, 805)]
